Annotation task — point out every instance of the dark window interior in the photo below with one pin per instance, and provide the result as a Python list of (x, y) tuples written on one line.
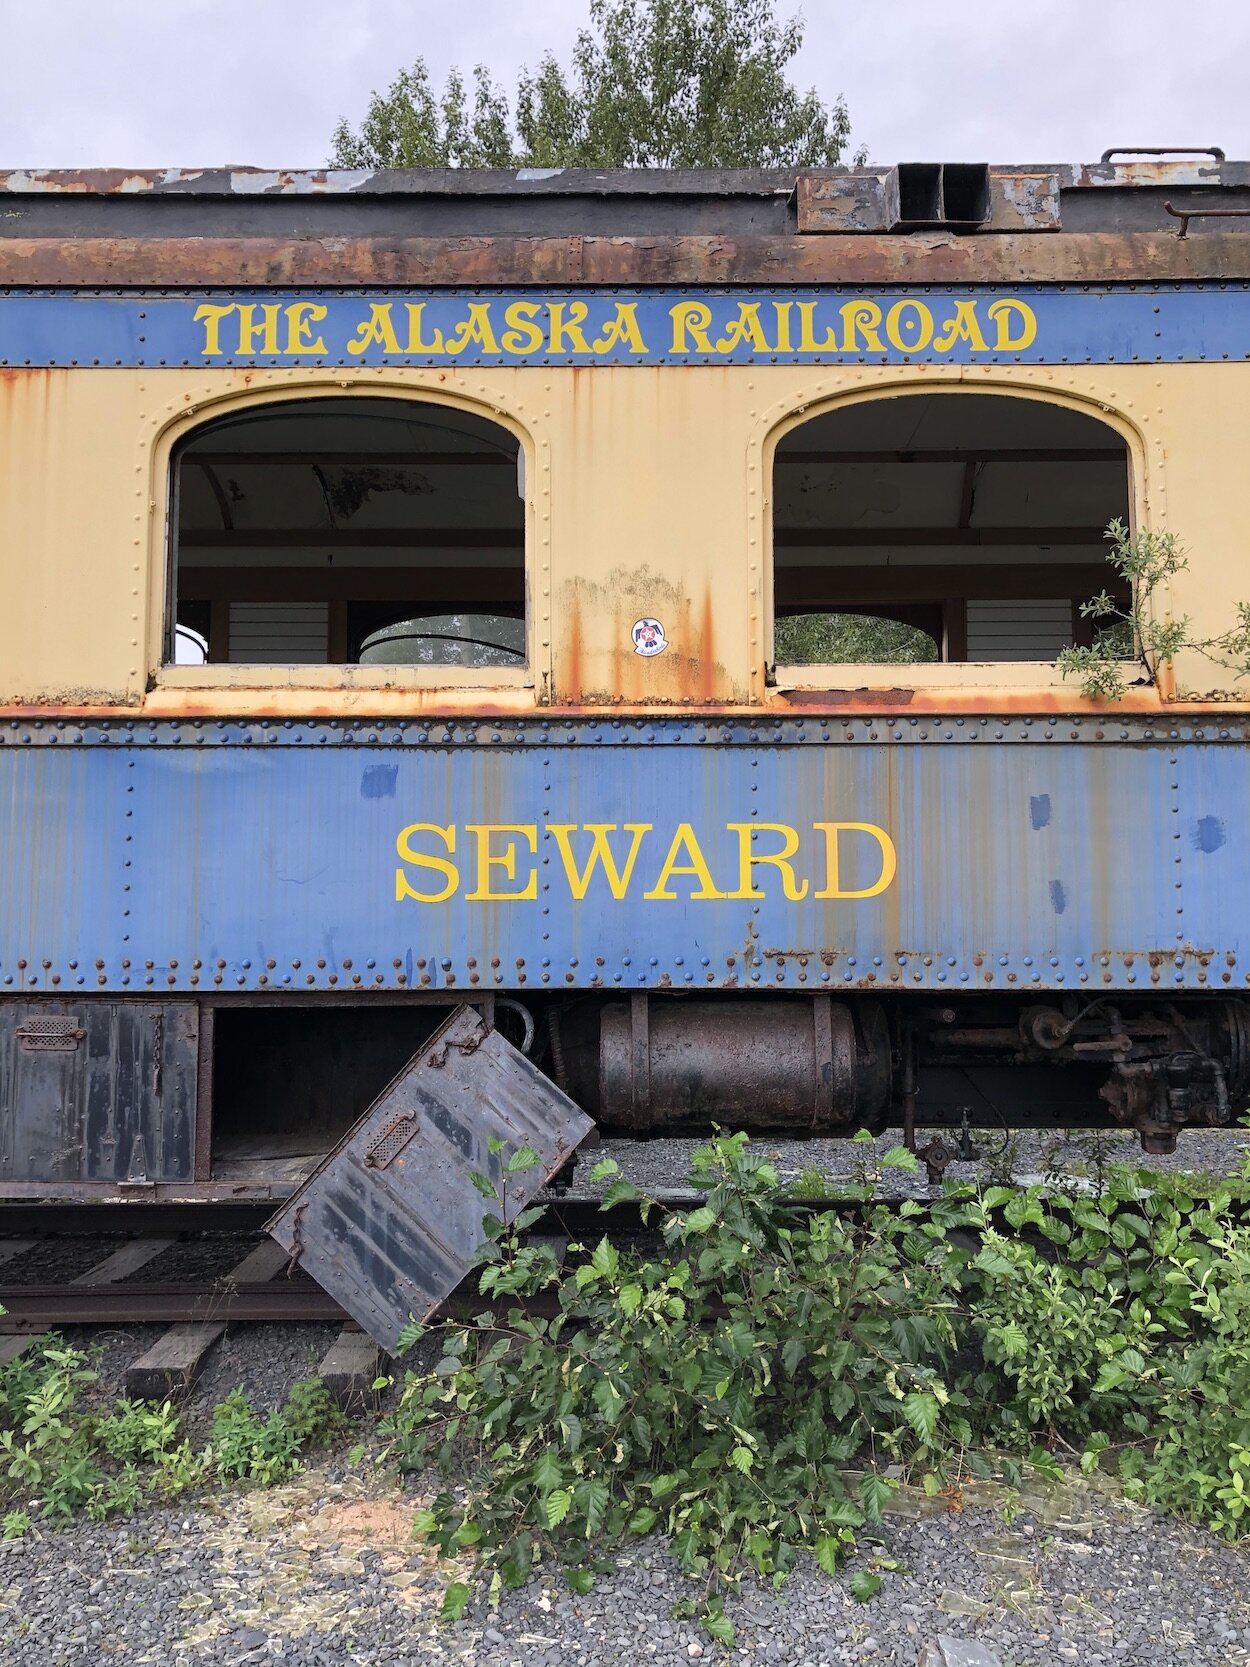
[(956, 527), (307, 531)]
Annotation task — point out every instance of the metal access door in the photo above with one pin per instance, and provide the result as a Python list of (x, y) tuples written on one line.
[(390, 1221), (97, 1090)]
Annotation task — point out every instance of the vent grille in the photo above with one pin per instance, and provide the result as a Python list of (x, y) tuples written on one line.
[(279, 633), (57, 1033), (1030, 630)]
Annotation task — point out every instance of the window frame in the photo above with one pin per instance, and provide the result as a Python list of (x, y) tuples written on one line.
[(222, 676), (936, 676)]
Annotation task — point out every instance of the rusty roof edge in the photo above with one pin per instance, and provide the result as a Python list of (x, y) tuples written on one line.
[(682, 260), (247, 180)]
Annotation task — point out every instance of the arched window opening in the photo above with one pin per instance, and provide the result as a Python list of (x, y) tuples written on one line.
[(972, 523), (349, 531)]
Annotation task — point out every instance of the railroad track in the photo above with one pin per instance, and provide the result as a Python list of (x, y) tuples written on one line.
[(259, 1286)]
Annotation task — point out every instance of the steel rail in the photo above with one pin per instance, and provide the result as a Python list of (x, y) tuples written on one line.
[(36, 1307)]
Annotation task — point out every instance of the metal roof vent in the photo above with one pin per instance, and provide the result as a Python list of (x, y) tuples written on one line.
[(942, 194), (961, 196)]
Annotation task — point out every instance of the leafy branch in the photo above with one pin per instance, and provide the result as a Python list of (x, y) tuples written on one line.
[(1146, 561)]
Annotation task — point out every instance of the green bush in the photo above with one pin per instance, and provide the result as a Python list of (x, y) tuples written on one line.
[(719, 1394), (745, 1391), (1126, 1329)]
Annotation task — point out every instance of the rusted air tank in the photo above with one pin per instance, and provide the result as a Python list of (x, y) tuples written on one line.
[(794, 1065)]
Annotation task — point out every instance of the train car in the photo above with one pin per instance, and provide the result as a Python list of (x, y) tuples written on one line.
[(627, 604)]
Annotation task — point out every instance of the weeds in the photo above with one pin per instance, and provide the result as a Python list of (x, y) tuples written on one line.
[(745, 1392), (58, 1459), (756, 1389)]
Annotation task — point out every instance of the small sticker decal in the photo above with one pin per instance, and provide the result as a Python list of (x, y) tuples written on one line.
[(649, 638)]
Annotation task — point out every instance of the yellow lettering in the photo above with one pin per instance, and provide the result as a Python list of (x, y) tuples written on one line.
[(889, 858), (601, 855), (909, 316), (1001, 312), (525, 833), (440, 865), (267, 329), (378, 327), (782, 309), (624, 329), (807, 332), (746, 327), (476, 328), (523, 336), (300, 318), (861, 317), (963, 326), (416, 331), (684, 840), (690, 318), (211, 318), (570, 327), (793, 888)]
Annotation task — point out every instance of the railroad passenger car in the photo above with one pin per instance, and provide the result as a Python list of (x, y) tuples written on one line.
[(626, 603)]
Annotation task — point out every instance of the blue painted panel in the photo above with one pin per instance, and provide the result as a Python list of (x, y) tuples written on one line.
[(64, 819), (1209, 853), (1032, 863), (1032, 324)]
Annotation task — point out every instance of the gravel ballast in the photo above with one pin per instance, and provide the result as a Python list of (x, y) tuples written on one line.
[(1019, 1156), (323, 1572)]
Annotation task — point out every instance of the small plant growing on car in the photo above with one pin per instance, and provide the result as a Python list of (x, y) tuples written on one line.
[(1146, 562)]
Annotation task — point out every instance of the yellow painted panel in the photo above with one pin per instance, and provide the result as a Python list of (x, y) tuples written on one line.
[(648, 498)]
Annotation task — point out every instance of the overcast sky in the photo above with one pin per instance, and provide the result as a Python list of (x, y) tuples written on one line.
[(143, 83)]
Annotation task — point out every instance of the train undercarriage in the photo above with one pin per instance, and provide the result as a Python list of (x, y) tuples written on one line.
[(240, 1097)]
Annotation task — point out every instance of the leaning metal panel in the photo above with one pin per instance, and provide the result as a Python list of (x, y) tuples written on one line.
[(392, 1239), (1025, 852)]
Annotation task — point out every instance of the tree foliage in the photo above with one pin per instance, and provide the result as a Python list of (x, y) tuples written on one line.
[(651, 84), (836, 639)]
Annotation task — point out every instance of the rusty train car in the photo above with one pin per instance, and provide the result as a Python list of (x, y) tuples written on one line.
[(627, 604)]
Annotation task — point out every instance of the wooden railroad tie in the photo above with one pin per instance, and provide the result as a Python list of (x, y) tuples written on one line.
[(171, 1366)]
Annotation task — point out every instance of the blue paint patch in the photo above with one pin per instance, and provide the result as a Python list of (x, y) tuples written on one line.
[(1058, 901), (379, 781), (1208, 834), (1039, 810)]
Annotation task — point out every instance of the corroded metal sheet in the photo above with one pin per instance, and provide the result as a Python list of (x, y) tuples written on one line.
[(940, 257), (424, 182), (837, 201), (390, 1221), (891, 851), (97, 1091)]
